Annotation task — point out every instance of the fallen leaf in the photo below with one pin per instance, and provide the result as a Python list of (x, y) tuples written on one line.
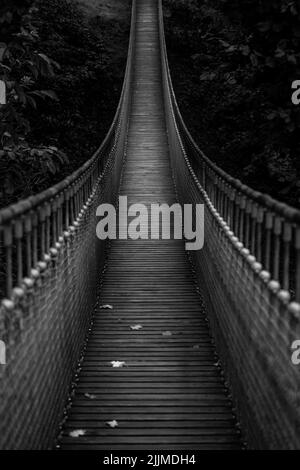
[(112, 424), (118, 363), (106, 307), (196, 346), (90, 396), (136, 327), (167, 333), (77, 433)]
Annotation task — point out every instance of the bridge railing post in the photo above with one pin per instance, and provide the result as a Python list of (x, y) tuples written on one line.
[(297, 267)]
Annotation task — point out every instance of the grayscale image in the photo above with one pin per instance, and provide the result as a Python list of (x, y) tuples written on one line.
[(149, 228)]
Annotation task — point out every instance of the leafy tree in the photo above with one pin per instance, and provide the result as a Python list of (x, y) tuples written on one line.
[(23, 67), (233, 64)]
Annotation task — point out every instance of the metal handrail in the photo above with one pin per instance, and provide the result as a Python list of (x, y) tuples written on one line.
[(281, 209), (29, 228), (268, 228)]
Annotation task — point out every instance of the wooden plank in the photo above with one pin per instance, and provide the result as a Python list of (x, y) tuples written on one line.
[(157, 425), (147, 419), (149, 446)]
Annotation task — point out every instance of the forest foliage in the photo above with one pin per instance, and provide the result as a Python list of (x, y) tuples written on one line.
[(24, 68), (58, 76), (233, 63)]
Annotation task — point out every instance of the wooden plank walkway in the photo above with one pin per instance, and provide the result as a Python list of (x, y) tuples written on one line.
[(169, 394)]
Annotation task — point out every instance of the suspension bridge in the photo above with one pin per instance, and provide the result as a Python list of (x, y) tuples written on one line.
[(137, 344)]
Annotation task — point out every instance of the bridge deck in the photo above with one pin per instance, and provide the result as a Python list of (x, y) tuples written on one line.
[(170, 393)]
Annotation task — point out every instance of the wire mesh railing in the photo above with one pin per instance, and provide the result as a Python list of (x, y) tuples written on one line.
[(268, 228), (249, 271), (52, 262)]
